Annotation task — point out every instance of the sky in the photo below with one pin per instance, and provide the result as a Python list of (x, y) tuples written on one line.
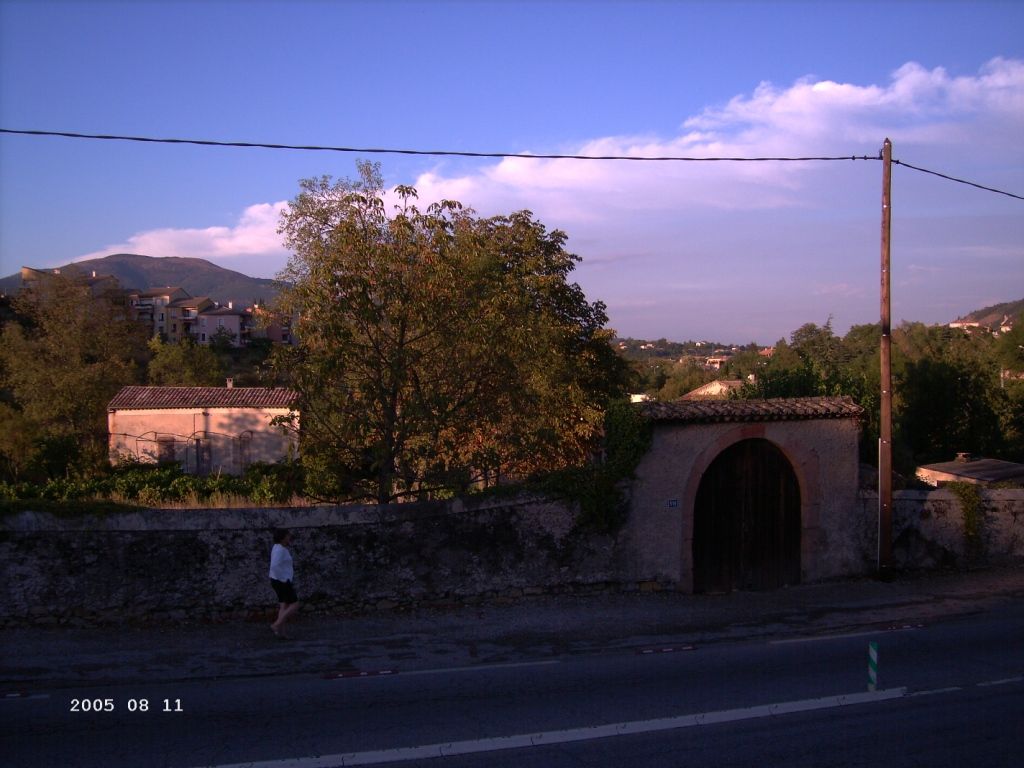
[(732, 252)]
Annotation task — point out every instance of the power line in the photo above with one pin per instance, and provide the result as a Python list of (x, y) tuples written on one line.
[(959, 181), (433, 152), (454, 153)]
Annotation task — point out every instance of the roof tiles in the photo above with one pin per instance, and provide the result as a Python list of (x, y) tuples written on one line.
[(135, 398), (781, 409)]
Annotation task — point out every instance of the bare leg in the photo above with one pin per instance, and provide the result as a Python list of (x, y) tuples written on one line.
[(284, 613)]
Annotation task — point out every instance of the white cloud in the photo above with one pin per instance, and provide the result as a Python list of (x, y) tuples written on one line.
[(749, 235), (253, 235), (918, 109)]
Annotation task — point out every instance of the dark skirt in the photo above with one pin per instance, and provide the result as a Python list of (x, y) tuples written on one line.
[(285, 591)]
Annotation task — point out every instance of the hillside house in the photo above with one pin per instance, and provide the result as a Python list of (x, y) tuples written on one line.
[(150, 307), (224, 320), (207, 430), (183, 317)]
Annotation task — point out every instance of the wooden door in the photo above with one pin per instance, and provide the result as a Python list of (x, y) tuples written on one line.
[(746, 527)]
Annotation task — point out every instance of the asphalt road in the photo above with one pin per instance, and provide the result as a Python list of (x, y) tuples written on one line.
[(949, 693)]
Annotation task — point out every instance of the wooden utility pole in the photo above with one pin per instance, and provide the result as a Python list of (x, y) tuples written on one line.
[(885, 425)]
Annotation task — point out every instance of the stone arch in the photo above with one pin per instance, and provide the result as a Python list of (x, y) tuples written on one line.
[(747, 520)]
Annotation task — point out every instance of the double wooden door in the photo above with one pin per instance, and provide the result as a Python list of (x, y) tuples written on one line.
[(746, 532)]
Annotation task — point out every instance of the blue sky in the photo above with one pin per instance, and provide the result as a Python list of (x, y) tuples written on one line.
[(683, 251)]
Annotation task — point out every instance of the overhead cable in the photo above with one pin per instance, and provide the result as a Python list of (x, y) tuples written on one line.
[(455, 153), (959, 181), (434, 152)]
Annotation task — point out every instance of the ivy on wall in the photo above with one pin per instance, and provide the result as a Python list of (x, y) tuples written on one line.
[(969, 497)]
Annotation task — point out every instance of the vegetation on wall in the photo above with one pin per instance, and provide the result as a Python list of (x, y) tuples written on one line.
[(969, 497), (151, 485)]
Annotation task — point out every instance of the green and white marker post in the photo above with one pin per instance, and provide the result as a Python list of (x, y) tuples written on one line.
[(872, 666)]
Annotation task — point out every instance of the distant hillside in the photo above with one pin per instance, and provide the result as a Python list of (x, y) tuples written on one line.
[(197, 276), (992, 316)]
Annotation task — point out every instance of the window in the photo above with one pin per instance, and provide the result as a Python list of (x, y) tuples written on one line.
[(204, 456), (242, 447)]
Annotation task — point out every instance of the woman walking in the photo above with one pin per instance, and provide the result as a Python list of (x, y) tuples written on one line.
[(281, 574)]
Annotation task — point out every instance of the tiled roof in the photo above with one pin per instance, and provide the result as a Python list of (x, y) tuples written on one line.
[(167, 290), (781, 409), (131, 398)]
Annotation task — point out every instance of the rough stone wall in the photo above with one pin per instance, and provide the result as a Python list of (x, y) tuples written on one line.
[(823, 454), (171, 564), (928, 529)]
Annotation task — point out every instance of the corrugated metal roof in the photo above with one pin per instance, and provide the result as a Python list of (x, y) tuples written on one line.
[(135, 398), (781, 409)]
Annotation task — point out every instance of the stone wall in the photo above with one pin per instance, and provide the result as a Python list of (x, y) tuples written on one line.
[(173, 564), (928, 529), (161, 565)]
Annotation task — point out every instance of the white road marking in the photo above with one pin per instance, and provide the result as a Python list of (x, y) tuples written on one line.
[(866, 633), (482, 667), (936, 691), (1004, 681), (475, 746)]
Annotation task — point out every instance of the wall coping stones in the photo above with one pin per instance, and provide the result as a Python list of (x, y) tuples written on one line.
[(157, 519), (777, 409)]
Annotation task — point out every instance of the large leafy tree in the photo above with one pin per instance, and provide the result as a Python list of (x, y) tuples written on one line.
[(184, 364), (436, 349), (62, 358)]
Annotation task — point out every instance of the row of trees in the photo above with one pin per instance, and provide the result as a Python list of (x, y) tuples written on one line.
[(952, 390)]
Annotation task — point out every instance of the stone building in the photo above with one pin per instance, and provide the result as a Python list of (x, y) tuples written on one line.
[(205, 429), (748, 494)]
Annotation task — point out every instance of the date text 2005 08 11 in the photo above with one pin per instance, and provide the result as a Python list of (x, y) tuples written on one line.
[(134, 705)]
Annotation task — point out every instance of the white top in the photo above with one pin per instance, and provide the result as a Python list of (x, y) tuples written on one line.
[(281, 563)]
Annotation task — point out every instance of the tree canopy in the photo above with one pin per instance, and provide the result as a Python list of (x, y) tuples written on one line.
[(184, 364), (437, 349), (63, 356)]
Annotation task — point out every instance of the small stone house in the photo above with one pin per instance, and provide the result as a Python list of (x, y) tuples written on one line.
[(748, 494), (966, 468), (207, 430)]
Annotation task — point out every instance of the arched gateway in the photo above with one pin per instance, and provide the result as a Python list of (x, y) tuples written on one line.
[(746, 521), (747, 494)]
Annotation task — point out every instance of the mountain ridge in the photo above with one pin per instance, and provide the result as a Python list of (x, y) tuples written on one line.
[(197, 276), (203, 278), (993, 316)]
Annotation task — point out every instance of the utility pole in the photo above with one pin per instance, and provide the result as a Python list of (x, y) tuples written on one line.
[(885, 425)]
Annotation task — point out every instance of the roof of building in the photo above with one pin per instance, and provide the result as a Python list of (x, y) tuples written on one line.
[(191, 301), (718, 389), (138, 398), (979, 470), (167, 290), (781, 409)]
